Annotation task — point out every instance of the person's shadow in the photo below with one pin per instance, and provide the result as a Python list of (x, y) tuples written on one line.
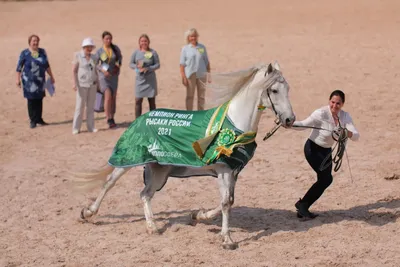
[(265, 222)]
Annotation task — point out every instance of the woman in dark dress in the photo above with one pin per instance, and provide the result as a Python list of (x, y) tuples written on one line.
[(31, 70)]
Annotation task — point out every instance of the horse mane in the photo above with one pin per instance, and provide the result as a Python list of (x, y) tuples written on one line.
[(224, 86)]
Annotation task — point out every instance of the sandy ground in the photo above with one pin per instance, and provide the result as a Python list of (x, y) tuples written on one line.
[(321, 46)]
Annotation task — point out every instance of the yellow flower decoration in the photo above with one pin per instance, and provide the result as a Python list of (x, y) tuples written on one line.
[(201, 50), (103, 56), (148, 54), (35, 54)]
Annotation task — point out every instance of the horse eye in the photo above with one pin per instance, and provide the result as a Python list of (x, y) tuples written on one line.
[(274, 91)]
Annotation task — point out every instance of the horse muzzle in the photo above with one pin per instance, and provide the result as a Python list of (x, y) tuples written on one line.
[(287, 122)]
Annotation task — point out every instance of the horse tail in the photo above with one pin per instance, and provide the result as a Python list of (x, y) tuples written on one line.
[(86, 181)]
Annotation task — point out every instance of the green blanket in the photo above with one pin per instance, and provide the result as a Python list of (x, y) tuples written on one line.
[(184, 138)]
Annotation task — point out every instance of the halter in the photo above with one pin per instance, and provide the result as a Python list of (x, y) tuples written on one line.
[(272, 103), (277, 119), (262, 107)]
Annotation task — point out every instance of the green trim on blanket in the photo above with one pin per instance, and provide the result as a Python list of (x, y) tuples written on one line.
[(184, 138)]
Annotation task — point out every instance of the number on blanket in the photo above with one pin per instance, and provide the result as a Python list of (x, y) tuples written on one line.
[(164, 131)]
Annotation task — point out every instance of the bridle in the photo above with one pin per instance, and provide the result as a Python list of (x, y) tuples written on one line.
[(277, 117), (272, 103), (268, 91)]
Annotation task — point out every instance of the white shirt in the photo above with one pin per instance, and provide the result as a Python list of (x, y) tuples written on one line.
[(322, 118)]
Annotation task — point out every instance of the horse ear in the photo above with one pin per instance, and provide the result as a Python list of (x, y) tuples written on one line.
[(270, 68), (276, 65)]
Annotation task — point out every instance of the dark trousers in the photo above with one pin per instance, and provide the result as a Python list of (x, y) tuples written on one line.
[(35, 108), (315, 155), (138, 105)]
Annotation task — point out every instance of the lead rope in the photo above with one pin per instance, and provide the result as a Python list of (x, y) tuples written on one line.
[(273, 130), (341, 150)]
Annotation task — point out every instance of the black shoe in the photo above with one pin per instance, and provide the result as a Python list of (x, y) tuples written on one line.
[(111, 123), (311, 216), (32, 125), (42, 122), (303, 212)]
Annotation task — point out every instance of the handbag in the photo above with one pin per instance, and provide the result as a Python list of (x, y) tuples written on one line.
[(99, 103)]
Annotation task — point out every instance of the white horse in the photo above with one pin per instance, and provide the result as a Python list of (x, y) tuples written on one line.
[(256, 89)]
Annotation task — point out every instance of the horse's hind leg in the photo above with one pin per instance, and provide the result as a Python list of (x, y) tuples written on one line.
[(156, 178), (94, 208)]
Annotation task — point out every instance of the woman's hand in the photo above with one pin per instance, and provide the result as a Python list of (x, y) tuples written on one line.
[(18, 83), (106, 73), (116, 69), (185, 81), (338, 131), (209, 77), (53, 81), (74, 88), (144, 70), (349, 134)]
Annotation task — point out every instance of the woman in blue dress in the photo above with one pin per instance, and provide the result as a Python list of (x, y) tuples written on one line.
[(31, 70)]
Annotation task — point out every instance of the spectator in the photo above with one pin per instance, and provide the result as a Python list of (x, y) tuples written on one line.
[(194, 66), (145, 62), (110, 60), (31, 69), (85, 85)]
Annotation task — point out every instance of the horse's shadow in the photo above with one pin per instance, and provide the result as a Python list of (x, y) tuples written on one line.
[(265, 222)]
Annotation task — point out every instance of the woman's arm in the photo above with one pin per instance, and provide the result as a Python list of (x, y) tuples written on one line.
[(120, 56), (311, 121), (18, 82), (183, 75), (207, 61), (75, 66), (99, 66), (156, 64), (352, 132), (20, 66), (182, 66), (51, 75), (132, 62), (47, 66)]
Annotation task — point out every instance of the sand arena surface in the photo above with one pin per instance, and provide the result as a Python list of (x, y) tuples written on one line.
[(321, 46)]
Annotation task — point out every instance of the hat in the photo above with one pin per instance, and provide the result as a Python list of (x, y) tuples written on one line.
[(88, 42)]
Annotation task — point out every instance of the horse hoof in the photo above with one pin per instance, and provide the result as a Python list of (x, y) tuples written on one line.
[(230, 246), (193, 218), (85, 214)]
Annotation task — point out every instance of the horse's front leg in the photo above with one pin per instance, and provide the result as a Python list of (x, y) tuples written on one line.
[(227, 182), (86, 213)]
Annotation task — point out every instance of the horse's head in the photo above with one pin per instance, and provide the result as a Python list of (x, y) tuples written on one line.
[(275, 94)]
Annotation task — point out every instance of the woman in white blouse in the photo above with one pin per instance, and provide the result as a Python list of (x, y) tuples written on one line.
[(331, 119)]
